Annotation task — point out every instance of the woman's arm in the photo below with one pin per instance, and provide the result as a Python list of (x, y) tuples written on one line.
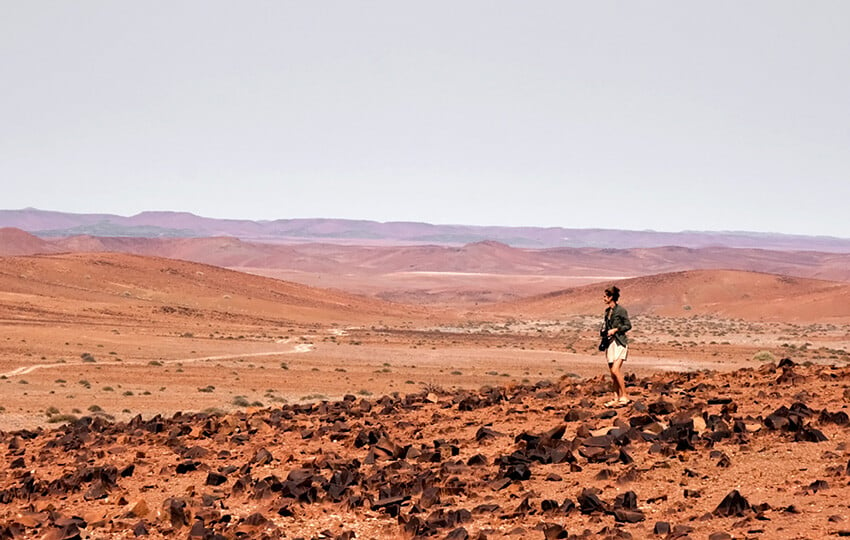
[(620, 321)]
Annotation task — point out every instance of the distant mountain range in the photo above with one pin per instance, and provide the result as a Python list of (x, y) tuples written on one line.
[(49, 224)]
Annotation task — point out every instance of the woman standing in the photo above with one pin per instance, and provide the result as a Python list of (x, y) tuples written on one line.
[(616, 325)]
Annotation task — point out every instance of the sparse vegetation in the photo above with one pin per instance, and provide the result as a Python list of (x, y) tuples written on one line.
[(764, 356), (62, 418), (241, 401)]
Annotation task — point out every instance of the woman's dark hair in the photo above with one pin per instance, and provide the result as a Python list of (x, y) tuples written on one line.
[(614, 292)]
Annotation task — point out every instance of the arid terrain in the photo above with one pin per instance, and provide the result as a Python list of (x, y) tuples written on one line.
[(434, 392)]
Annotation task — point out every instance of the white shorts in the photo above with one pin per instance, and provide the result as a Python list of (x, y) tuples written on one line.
[(615, 352)]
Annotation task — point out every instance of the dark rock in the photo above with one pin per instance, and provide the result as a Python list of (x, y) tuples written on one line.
[(574, 415), (839, 418), (262, 457), (681, 531), (430, 497), (215, 479), (590, 503), (662, 528), (177, 512), (661, 407), (198, 530), (458, 534), (96, 491), (567, 506), (485, 433), (486, 509), (196, 452), (187, 466), (518, 471), (627, 501), (255, 520), (140, 529), (810, 434), (548, 505), (734, 504), (786, 362), (628, 516), (720, 536), (553, 531), (390, 504), (818, 485)]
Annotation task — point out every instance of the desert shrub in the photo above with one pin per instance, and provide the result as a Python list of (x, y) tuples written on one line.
[(283, 365), (127, 393), (87, 357), (108, 389), (51, 411), (764, 356), (84, 383), (95, 408), (241, 401), (207, 389), (61, 418), (364, 392), (155, 363)]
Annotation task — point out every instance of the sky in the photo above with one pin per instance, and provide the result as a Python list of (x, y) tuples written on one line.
[(652, 115)]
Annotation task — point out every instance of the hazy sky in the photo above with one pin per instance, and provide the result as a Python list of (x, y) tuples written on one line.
[(666, 115)]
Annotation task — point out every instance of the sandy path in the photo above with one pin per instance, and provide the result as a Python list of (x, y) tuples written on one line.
[(297, 349)]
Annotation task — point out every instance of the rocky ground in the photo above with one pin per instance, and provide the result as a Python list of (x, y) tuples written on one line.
[(759, 452)]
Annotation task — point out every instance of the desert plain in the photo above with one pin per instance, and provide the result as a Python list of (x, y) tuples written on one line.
[(210, 389)]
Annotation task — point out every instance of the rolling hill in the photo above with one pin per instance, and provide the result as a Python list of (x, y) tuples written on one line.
[(114, 285), (725, 293), (184, 224)]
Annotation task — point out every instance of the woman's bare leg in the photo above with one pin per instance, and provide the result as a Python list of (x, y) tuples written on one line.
[(618, 383)]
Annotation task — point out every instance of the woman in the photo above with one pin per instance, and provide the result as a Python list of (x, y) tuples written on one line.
[(614, 330)]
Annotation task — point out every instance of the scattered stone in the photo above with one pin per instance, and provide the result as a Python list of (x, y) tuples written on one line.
[(734, 504)]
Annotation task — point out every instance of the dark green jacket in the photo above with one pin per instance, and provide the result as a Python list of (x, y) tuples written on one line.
[(617, 317)]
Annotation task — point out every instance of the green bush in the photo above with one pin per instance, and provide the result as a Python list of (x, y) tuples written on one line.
[(764, 356)]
